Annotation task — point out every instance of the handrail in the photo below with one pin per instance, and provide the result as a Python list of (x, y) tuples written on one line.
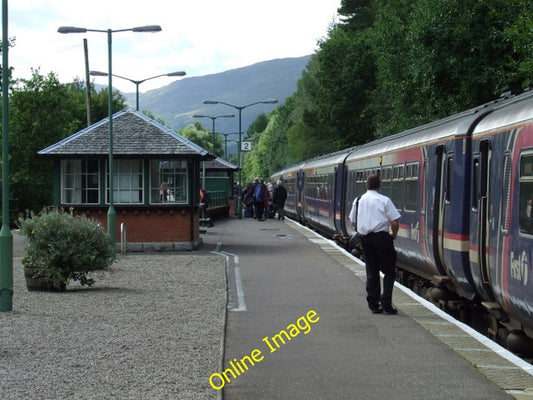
[(123, 238)]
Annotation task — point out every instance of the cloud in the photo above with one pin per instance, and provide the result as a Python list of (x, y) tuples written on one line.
[(198, 36)]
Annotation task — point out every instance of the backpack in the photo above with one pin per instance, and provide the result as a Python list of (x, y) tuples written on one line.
[(260, 193), (248, 198)]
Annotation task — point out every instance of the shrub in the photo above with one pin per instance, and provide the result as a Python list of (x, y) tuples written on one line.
[(63, 247)]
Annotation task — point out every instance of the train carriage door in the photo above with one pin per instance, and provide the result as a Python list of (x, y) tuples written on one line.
[(300, 180), (438, 208), (481, 183)]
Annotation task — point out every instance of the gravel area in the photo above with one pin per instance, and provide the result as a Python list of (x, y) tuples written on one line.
[(150, 328)]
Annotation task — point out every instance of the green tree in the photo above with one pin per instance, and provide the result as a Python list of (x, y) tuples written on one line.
[(357, 15), (395, 88), (346, 77), (42, 112), (100, 102), (203, 137), (520, 34), (439, 57)]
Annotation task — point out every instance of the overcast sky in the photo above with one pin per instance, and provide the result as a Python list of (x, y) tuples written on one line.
[(198, 36)]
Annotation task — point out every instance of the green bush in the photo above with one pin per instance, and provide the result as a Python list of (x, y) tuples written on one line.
[(63, 247)]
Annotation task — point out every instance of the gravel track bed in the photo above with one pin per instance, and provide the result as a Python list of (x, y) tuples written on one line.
[(150, 328)]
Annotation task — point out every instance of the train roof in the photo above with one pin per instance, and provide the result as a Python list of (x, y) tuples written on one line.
[(514, 111), (295, 167), (331, 159), (508, 110), (434, 132)]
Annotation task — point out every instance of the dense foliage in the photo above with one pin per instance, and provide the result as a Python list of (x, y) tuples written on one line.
[(63, 247), (203, 137), (389, 65)]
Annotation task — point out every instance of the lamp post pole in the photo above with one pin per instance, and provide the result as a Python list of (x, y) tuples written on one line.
[(239, 151), (213, 118), (226, 143), (6, 237), (137, 83), (111, 214)]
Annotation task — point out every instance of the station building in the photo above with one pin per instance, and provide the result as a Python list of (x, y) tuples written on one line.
[(156, 182)]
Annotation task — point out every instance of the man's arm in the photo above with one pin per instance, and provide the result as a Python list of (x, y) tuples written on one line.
[(395, 225)]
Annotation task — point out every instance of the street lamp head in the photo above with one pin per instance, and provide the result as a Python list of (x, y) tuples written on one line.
[(71, 29), (147, 28), (177, 73), (98, 73), (270, 101), (212, 116), (210, 102), (74, 29)]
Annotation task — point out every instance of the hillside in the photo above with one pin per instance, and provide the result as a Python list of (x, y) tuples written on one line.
[(177, 102)]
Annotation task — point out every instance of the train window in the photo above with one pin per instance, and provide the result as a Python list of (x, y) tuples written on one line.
[(475, 185), (360, 184), (449, 174), (397, 186), (386, 181), (506, 192), (411, 186), (526, 193)]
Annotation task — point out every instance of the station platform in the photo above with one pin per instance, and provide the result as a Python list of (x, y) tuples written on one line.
[(298, 327)]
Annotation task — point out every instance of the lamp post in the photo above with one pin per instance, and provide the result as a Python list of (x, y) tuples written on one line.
[(111, 214), (6, 237), (137, 83), (239, 154), (213, 118), (226, 143)]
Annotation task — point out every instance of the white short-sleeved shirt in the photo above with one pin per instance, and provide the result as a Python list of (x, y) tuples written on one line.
[(375, 213)]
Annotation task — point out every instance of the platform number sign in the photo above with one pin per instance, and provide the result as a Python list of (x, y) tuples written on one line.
[(246, 146)]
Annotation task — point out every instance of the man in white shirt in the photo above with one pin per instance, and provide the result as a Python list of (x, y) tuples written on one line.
[(377, 223)]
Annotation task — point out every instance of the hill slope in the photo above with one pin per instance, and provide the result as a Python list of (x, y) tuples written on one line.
[(177, 102)]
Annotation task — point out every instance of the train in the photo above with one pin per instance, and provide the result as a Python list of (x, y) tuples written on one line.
[(464, 188)]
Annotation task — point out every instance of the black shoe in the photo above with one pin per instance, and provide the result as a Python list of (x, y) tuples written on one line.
[(388, 310), (376, 310)]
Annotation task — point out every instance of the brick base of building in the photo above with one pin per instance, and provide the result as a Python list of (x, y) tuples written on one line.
[(153, 229)]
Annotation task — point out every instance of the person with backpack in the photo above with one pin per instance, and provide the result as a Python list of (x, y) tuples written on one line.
[(259, 199), (205, 199), (248, 200)]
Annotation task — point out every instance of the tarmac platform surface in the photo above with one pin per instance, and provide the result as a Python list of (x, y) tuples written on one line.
[(298, 327)]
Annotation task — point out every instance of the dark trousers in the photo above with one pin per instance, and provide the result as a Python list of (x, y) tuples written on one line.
[(259, 209), (380, 255), (278, 208)]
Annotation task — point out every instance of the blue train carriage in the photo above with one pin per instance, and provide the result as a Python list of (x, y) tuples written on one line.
[(416, 169), (501, 216), (322, 196)]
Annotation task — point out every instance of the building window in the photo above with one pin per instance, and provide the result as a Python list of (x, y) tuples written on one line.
[(79, 182), (128, 182), (169, 181)]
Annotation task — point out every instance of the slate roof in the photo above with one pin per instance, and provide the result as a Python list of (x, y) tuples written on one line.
[(134, 135), (220, 164)]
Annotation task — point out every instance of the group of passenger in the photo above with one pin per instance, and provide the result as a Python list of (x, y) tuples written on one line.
[(263, 201)]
